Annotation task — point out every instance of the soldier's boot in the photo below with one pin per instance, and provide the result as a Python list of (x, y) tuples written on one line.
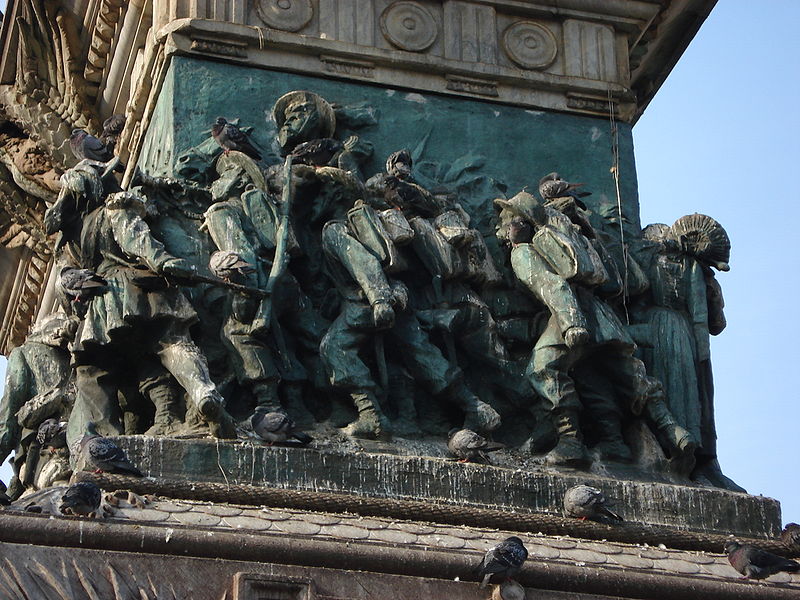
[(681, 443), (297, 409), (611, 445), (189, 367), (166, 400), (371, 423), (570, 450), (265, 392), (478, 415), (709, 469)]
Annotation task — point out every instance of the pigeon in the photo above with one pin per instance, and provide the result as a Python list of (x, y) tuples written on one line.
[(77, 287), (586, 502), (519, 231), (103, 455), (85, 145), (112, 128), (509, 590), (754, 563), (791, 534), (502, 561), (52, 434), (228, 265), (276, 427), (399, 164), (468, 446), (316, 153), (230, 137), (82, 498), (552, 186)]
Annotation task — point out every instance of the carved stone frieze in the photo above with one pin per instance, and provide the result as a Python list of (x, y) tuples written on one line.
[(409, 26), (286, 15), (530, 45)]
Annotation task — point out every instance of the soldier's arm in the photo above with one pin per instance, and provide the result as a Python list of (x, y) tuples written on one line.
[(133, 234)]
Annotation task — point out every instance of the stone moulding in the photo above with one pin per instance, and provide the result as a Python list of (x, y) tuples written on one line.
[(21, 535), (445, 482)]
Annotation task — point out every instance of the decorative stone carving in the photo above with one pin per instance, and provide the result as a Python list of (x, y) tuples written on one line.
[(409, 26), (286, 15), (530, 45)]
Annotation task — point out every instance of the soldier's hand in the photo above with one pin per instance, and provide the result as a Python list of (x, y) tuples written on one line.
[(383, 315), (179, 267)]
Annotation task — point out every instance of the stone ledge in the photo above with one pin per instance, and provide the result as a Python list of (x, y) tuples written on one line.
[(706, 510)]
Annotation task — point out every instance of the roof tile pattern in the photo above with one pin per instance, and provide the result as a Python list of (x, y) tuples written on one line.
[(346, 527)]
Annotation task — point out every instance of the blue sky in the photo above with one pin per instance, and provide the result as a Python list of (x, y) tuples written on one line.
[(721, 138)]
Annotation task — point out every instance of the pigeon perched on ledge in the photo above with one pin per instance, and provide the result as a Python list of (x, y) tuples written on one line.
[(230, 137), (276, 427), (755, 563), (102, 455), (82, 498), (791, 534), (85, 145), (316, 153), (553, 186), (467, 446), (52, 434), (228, 265), (502, 561), (586, 502)]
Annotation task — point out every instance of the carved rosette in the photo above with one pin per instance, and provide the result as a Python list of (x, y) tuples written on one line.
[(409, 26), (530, 45), (286, 15)]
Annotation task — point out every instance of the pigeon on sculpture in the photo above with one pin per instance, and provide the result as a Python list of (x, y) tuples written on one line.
[(755, 563), (552, 186), (228, 265), (509, 590), (230, 137), (52, 433), (112, 128), (316, 153), (791, 534), (85, 145), (82, 498), (502, 561), (586, 502), (102, 455), (519, 231), (399, 164), (76, 287), (276, 427), (467, 446)]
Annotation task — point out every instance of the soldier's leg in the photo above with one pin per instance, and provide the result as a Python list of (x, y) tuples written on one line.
[(95, 400), (339, 351), (428, 366), (602, 412), (548, 373), (183, 359), (645, 395), (158, 386)]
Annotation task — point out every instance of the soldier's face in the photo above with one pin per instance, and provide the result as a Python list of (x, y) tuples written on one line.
[(301, 125)]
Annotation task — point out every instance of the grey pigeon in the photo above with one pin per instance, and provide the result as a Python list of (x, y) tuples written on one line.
[(228, 265), (276, 427), (316, 153), (77, 287), (52, 433), (82, 498), (103, 455), (112, 128), (466, 445), (791, 534), (755, 563), (85, 145), (586, 502), (230, 137), (502, 561), (553, 186)]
